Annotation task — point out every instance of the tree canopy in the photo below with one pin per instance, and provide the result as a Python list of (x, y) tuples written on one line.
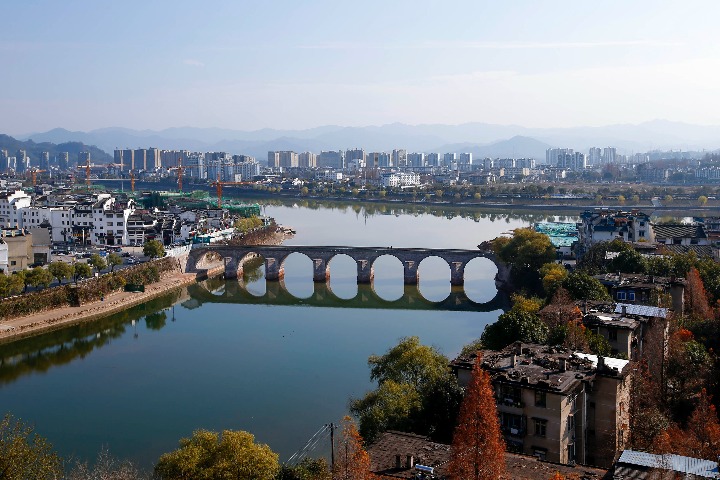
[(209, 455), (25, 454), (526, 251), (153, 249)]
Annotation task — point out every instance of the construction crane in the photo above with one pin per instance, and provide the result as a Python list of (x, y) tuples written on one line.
[(132, 182), (33, 175), (179, 174), (86, 167), (219, 186)]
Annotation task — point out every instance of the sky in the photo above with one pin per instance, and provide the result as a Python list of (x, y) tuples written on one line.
[(247, 65)]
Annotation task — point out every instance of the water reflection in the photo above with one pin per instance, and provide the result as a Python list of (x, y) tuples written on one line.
[(323, 295), (38, 354)]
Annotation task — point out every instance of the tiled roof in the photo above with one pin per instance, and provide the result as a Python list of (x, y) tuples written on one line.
[(677, 463), (644, 310), (700, 250), (679, 231)]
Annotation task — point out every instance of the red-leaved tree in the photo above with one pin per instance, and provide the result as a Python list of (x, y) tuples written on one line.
[(478, 448), (351, 460)]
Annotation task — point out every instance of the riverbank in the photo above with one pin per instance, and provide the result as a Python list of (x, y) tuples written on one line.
[(42, 322), (55, 319)]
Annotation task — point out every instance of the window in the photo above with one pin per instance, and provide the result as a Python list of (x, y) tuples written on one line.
[(540, 453), (571, 452), (540, 398), (571, 423), (540, 427), (612, 334), (641, 233), (621, 295), (119, 224), (631, 296), (109, 224), (510, 396)]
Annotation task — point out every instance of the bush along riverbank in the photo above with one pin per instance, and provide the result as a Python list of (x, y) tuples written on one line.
[(90, 290)]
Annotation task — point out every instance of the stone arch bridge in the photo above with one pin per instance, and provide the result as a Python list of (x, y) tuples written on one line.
[(274, 256)]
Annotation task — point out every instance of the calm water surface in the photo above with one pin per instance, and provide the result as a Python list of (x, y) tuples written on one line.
[(138, 381)]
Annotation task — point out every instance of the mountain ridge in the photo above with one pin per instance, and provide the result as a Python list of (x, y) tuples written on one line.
[(627, 138)]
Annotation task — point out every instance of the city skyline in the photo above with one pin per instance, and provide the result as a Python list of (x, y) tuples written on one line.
[(282, 65)]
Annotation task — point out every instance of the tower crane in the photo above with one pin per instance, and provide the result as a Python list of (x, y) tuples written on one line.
[(179, 174), (132, 181), (219, 187), (33, 175)]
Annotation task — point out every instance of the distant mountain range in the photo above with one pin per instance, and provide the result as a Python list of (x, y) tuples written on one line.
[(483, 140), (34, 149)]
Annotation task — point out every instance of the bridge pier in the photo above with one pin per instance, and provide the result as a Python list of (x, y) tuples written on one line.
[(411, 274), (231, 267), (321, 270), (365, 273), (273, 269), (457, 273)]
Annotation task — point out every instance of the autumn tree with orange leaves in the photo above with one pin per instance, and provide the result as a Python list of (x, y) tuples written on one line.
[(352, 462), (478, 448)]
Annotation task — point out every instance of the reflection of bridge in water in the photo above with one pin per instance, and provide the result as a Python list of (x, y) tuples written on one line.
[(277, 294)]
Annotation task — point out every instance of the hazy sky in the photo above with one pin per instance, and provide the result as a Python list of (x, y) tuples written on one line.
[(238, 64)]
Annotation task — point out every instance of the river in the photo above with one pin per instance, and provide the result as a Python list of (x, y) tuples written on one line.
[(138, 381)]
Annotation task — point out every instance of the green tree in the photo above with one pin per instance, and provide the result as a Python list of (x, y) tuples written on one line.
[(392, 406), (702, 200), (668, 199), (60, 270), (512, 326), (97, 262), (304, 191), (37, 277), (552, 276), (628, 261), (525, 252), (307, 469), (26, 455), (11, 284), (408, 362), (582, 286), (153, 249), (209, 455), (114, 260), (416, 392), (81, 270)]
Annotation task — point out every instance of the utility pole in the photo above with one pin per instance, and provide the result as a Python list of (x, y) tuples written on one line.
[(332, 447)]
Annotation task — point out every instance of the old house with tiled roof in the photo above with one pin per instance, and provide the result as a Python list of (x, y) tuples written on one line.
[(558, 405), (401, 455)]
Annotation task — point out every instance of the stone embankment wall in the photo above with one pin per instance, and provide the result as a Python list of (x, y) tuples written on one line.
[(88, 290)]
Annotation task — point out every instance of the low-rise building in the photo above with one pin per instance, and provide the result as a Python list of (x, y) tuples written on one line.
[(20, 252), (558, 405), (634, 465), (637, 288)]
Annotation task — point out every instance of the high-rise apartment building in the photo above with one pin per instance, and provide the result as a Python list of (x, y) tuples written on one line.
[(465, 158), (128, 157), (22, 161), (172, 158), (449, 159), (355, 156), (433, 159), (609, 155), (45, 160), (399, 157), (84, 158), (140, 159), (63, 160), (331, 159), (152, 159), (415, 159), (595, 156), (273, 160), (307, 159), (4, 160)]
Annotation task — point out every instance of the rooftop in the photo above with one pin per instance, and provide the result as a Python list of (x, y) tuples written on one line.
[(677, 463)]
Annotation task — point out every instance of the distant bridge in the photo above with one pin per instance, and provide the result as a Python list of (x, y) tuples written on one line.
[(322, 296), (198, 260)]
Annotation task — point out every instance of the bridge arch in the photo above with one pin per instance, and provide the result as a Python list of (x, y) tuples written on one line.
[(364, 258)]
